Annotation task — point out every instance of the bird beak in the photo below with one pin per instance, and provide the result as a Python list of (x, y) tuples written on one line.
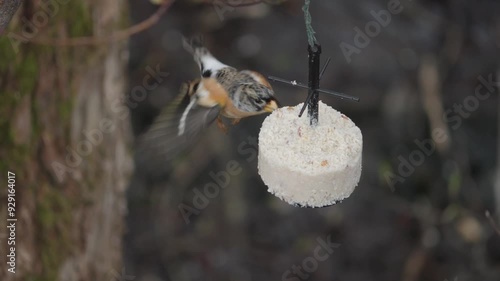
[(271, 106)]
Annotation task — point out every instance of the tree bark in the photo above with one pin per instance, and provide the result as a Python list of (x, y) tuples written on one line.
[(64, 132), (7, 10)]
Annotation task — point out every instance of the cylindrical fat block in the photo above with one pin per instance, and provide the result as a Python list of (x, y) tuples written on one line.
[(310, 166)]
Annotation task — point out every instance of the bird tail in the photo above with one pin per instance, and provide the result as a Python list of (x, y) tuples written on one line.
[(196, 48), (208, 64)]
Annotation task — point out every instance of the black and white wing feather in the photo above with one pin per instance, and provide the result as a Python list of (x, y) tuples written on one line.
[(175, 130)]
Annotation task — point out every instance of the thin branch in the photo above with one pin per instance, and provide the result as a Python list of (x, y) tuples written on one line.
[(492, 222), (248, 3), (245, 3), (431, 84), (117, 36), (496, 185), (231, 4)]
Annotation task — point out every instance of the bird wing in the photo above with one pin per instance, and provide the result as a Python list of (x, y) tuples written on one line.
[(176, 129)]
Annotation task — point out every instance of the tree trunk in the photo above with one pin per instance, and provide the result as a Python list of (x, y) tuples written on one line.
[(64, 133)]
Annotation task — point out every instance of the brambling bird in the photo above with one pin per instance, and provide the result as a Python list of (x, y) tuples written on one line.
[(222, 91), (249, 93)]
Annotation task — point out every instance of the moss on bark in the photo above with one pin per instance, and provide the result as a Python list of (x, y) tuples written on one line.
[(51, 77)]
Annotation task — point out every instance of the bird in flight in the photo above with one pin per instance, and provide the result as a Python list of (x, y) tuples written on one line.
[(220, 91)]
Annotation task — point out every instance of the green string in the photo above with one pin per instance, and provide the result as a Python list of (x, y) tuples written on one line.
[(307, 17)]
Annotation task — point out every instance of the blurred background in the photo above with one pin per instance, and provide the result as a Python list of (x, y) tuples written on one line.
[(426, 73)]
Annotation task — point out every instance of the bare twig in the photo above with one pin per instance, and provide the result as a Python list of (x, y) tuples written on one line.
[(492, 222), (230, 3), (430, 82), (117, 36), (496, 185), (415, 264), (244, 3)]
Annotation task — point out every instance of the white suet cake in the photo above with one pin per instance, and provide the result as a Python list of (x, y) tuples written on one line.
[(310, 166)]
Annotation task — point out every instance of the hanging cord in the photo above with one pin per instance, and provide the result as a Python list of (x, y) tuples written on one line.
[(307, 18), (314, 50)]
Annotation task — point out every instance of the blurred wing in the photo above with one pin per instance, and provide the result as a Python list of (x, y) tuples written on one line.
[(175, 130)]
